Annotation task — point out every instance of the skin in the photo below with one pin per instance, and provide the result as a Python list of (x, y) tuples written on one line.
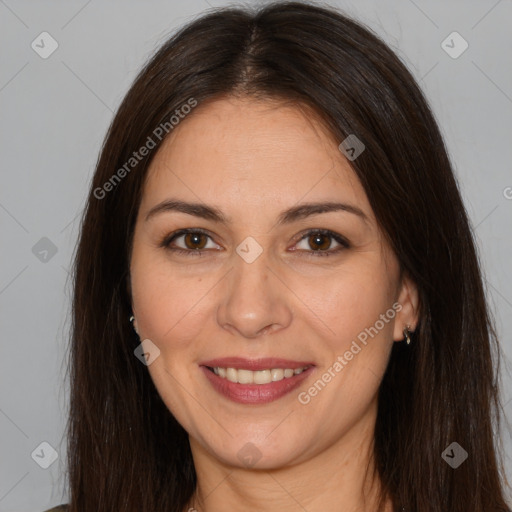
[(252, 160)]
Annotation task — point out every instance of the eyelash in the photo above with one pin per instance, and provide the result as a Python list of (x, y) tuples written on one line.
[(165, 243)]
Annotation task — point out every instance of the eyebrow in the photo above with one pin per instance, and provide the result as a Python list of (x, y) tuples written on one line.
[(288, 216)]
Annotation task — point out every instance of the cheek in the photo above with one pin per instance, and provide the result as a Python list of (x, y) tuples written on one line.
[(357, 337), (166, 303), (351, 303)]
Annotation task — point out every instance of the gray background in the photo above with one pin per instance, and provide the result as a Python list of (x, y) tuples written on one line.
[(55, 112)]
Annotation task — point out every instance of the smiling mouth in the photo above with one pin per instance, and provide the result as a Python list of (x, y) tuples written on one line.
[(262, 385), (266, 376)]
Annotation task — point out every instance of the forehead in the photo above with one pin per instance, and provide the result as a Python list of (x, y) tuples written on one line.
[(252, 151)]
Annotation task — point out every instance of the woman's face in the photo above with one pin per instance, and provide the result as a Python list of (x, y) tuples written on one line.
[(266, 280)]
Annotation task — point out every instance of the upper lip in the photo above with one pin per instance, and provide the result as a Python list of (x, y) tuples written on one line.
[(264, 363)]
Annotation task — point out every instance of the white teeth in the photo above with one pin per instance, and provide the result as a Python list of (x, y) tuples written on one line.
[(262, 377), (277, 374), (245, 376), (257, 377), (232, 375)]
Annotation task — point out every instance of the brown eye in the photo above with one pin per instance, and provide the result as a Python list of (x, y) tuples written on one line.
[(319, 241), (192, 242), (195, 241)]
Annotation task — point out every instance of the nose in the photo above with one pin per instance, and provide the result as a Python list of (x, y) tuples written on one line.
[(254, 301)]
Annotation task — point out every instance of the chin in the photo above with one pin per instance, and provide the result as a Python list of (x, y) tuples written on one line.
[(259, 454)]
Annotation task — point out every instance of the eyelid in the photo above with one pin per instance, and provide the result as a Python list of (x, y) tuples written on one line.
[(180, 232), (341, 240)]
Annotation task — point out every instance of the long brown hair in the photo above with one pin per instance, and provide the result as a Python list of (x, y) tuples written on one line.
[(126, 451)]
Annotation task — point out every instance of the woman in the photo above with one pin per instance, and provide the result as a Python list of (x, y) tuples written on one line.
[(277, 298)]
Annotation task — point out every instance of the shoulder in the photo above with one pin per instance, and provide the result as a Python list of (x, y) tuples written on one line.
[(60, 508)]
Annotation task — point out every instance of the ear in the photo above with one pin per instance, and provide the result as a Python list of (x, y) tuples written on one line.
[(129, 292), (135, 325), (409, 302)]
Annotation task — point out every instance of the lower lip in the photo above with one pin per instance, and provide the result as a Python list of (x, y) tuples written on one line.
[(255, 393)]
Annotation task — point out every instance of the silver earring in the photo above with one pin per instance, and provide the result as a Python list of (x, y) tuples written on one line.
[(407, 334)]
